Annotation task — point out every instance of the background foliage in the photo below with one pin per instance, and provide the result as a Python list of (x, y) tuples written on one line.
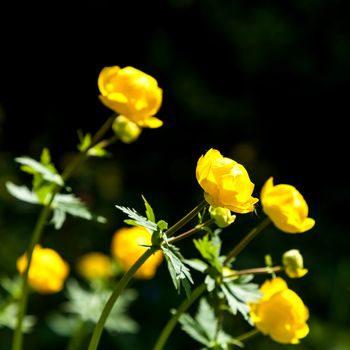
[(265, 82)]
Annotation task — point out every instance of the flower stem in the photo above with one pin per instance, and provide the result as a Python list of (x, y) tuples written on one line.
[(114, 297), (255, 271), (173, 229), (247, 335), (17, 340), (244, 242), (190, 232), (163, 337)]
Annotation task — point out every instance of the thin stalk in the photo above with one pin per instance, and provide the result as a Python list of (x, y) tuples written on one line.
[(247, 335), (244, 242), (167, 330), (78, 336), (255, 271), (173, 229), (191, 231), (17, 340), (95, 339)]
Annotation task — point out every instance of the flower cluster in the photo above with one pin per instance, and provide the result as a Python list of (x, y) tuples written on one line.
[(138, 250)]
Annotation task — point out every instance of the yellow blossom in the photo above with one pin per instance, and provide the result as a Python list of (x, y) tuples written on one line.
[(280, 313), (293, 264), (225, 182), (47, 272), (95, 265), (128, 244), (132, 93), (286, 207)]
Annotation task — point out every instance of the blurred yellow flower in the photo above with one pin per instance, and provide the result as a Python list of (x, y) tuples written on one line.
[(280, 313), (225, 182), (95, 265), (286, 207), (293, 264), (132, 93), (128, 244), (47, 272)]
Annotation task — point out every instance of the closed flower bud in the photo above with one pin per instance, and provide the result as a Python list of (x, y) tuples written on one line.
[(95, 265), (47, 272), (286, 207), (132, 93), (293, 264), (280, 313), (126, 130), (128, 244), (225, 182), (221, 216)]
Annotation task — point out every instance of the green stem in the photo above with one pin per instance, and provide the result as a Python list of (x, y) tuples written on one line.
[(114, 297), (244, 242), (17, 341), (255, 271), (247, 335), (78, 336), (163, 337), (190, 232), (173, 229)]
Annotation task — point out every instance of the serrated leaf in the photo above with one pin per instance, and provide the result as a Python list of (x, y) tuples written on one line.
[(8, 318), (210, 283), (47, 173), (22, 193), (149, 210), (196, 264), (58, 218), (162, 225), (193, 329), (179, 272), (138, 220), (206, 318), (68, 203), (209, 249), (88, 305)]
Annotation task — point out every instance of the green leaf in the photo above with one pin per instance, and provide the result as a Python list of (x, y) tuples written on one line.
[(8, 318), (162, 225), (69, 204), (85, 141), (193, 329), (88, 305), (239, 293), (137, 219), (22, 193), (179, 272), (196, 264), (149, 210), (34, 167), (98, 151), (210, 250)]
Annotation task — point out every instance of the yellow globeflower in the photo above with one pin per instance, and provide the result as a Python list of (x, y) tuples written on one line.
[(95, 265), (280, 313), (128, 244), (132, 93), (286, 207), (47, 272), (225, 182)]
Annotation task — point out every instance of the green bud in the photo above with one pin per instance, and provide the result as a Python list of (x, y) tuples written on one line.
[(293, 263), (221, 216), (125, 129)]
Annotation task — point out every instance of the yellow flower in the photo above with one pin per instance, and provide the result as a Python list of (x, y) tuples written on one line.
[(293, 264), (47, 272), (221, 216), (128, 244), (132, 93), (280, 313), (225, 182), (95, 265), (286, 207)]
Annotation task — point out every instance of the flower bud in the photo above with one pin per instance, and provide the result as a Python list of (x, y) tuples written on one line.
[(293, 263), (126, 130), (221, 216)]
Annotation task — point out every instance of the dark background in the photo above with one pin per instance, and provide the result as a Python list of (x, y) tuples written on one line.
[(265, 82)]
